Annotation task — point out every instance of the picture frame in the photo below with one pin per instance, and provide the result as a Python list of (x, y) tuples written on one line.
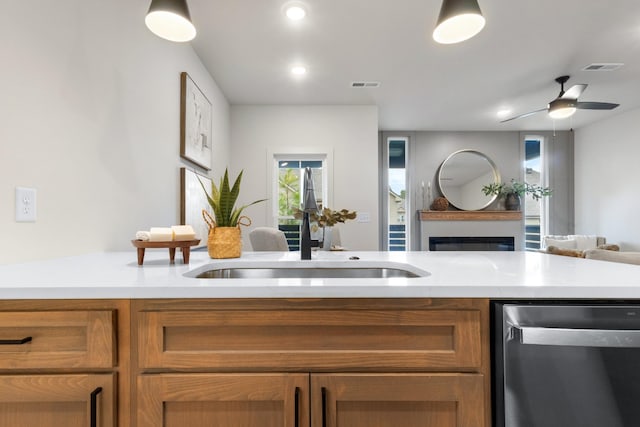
[(195, 123), (192, 201)]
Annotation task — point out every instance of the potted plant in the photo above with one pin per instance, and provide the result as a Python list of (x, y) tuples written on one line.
[(513, 191), (224, 227)]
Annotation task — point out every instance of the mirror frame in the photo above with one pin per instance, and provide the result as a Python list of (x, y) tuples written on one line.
[(496, 176)]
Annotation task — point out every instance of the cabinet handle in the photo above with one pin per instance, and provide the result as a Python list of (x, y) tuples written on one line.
[(16, 342), (323, 390), (94, 411), (621, 338), (296, 409)]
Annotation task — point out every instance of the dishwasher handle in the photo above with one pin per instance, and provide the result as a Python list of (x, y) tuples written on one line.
[(618, 338)]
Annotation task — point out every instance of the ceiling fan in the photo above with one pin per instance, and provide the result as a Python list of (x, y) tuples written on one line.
[(567, 102)]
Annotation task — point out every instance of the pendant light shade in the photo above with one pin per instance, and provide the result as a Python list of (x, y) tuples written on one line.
[(562, 108), (459, 20), (170, 20)]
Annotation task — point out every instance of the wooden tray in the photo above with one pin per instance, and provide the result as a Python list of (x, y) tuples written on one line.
[(184, 245)]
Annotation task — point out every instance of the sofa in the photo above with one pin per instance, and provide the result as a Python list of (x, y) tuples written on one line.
[(578, 246), (614, 256)]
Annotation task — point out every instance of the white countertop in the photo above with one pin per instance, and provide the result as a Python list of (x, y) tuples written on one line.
[(452, 274)]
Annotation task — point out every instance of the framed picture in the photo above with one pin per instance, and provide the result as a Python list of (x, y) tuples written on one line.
[(192, 201), (195, 123)]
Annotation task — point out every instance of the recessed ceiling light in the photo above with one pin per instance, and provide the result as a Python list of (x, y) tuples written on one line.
[(298, 70), (295, 12), (503, 112)]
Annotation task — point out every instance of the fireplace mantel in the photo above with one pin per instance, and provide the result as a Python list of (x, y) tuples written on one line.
[(470, 215)]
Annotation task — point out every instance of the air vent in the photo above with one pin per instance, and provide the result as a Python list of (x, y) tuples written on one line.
[(603, 66), (365, 84)]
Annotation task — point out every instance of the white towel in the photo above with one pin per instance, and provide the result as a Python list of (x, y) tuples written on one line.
[(143, 235)]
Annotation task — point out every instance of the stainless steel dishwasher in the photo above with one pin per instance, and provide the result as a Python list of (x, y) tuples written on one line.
[(566, 364)]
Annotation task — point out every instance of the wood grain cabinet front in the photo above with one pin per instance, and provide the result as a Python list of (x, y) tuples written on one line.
[(318, 363), (307, 339), (57, 339), (69, 400), (230, 400), (65, 363), (389, 400), (317, 400)]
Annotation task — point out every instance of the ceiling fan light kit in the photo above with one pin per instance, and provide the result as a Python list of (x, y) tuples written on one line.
[(459, 20), (562, 108), (566, 104), (170, 20)]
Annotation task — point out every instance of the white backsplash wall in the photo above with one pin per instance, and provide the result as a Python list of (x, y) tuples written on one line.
[(607, 176), (90, 118), (349, 133)]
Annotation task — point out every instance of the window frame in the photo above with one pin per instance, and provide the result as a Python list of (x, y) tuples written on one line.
[(275, 157)]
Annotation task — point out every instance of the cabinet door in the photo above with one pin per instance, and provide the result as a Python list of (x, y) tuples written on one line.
[(57, 400), (392, 400), (229, 400)]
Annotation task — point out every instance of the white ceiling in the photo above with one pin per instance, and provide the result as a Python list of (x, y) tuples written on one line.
[(249, 46)]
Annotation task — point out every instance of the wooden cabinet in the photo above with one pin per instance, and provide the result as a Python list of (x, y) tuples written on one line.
[(230, 400), (407, 400), (345, 362), (57, 339), (67, 400), (60, 363), (245, 362), (282, 400)]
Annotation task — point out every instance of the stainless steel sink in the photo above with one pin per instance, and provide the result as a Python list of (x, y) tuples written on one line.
[(306, 273)]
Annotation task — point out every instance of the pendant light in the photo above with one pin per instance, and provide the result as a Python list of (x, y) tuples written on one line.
[(562, 108), (170, 20), (459, 20)]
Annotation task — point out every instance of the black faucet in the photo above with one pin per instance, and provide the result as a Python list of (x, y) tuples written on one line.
[(309, 206)]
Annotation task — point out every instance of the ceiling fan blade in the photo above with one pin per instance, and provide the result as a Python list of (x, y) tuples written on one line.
[(524, 115), (574, 91), (596, 105)]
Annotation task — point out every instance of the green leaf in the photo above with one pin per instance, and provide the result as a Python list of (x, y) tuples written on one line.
[(223, 199)]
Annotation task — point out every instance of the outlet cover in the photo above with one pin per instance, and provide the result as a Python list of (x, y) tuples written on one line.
[(363, 217), (25, 204)]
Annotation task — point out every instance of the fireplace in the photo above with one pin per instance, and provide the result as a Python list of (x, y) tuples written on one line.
[(479, 230), (476, 243)]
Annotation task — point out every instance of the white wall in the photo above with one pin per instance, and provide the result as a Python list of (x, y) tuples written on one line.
[(90, 118), (348, 133), (607, 176)]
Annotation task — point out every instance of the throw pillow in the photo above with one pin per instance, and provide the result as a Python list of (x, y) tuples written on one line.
[(561, 244), (566, 252)]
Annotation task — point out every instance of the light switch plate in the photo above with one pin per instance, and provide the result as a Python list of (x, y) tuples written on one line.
[(25, 204)]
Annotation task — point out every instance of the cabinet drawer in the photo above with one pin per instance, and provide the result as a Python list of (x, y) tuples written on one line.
[(57, 400), (57, 339), (318, 340)]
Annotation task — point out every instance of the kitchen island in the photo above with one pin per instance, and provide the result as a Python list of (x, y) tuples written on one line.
[(450, 275), (98, 337)]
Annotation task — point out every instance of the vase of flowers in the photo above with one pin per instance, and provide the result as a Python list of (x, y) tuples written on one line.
[(324, 221)]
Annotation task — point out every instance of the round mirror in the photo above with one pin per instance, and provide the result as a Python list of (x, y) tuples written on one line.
[(462, 176)]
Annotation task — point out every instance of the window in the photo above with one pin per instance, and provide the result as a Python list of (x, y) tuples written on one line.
[(397, 237), (535, 210), (289, 171)]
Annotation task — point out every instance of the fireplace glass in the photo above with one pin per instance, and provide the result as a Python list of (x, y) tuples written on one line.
[(495, 243)]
